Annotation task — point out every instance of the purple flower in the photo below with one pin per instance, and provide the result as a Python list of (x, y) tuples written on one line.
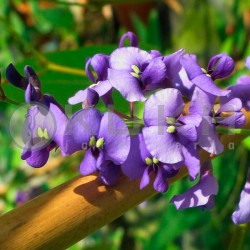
[(140, 163), (45, 122), (101, 87), (169, 136), (133, 72), (240, 90), (201, 194), (219, 66), (105, 138), (228, 115), (42, 131), (242, 213)]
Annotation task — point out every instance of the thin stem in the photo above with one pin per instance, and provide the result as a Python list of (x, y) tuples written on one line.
[(65, 69), (95, 2), (236, 131), (131, 109), (121, 114), (6, 99)]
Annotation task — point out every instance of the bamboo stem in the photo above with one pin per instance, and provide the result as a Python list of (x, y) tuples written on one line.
[(66, 214)]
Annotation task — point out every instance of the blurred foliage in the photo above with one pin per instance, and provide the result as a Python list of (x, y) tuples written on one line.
[(56, 37)]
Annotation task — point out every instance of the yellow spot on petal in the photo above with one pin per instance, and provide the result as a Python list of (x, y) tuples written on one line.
[(170, 120), (92, 141), (148, 161), (203, 70), (135, 75), (40, 132), (135, 69), (45, 134), (171, 129), (155, 160), (99, 143)]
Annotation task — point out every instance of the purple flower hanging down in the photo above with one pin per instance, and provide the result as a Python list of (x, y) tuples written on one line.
[(219, 66), (133, 72), (201, 194), (229, 115), (140, 163), (169, 136), (45, 122), (242, 213), (105, 138)]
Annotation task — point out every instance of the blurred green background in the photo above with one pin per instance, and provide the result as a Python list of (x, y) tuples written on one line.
[(56, 37)]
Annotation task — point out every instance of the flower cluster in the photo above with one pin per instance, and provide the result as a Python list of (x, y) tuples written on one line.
[(172, 134)]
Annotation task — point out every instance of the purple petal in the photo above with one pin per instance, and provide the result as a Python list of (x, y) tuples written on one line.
[(124, 58), (182, 83), (206, 84), (61, 121), (242, 213), (132, 39), (82, 125), (88, 164), (192, 159), (154, 73), (88, 70), (162, 145), (198, 195), (15, 78), (199, 78), (31, 95), (191, 66), (221, 66), (100, 64), (134, 165), (108, 99), (173, 65), (145, 180), (207, 137), (202, 103), (237, 120), (160, 182), (116, 137), (194, 120), (126, 84), (188, 132), (102, 87), (109, 173), (233, 105), (38, 158), (247, 62), (89, 97), (240, 90), (162, 104)]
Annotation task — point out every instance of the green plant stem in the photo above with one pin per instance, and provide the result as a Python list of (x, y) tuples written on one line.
[(65, 69), (6, 99), (96, 2), (237, 240), (235, 131)]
